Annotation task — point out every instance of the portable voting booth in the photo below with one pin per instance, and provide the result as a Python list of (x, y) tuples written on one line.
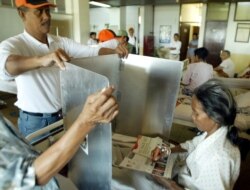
[(146, 90)]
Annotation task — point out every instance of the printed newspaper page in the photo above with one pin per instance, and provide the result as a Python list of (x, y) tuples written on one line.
[(140, 158)]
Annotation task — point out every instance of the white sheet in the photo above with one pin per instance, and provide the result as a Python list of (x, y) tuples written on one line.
[(8, 86)]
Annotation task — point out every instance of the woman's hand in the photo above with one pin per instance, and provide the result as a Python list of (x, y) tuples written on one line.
[(160, 152)]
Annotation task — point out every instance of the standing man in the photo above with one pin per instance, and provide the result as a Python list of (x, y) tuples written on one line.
[(34, 57), (193, 44), (132, 39), (226, 68), (175, 48)]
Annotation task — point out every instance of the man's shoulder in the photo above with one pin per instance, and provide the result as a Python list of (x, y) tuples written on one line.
[(59, 39), (16, 38)]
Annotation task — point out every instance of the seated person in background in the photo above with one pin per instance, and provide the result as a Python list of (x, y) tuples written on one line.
[(212, 159), (198, 72), (92, 39), (226, 68), (23, 168), (193, 44)]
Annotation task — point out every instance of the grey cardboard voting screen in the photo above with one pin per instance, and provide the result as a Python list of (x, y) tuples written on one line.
[(147, 89), (90, 168)]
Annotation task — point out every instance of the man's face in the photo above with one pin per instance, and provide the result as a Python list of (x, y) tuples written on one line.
[(131, 32), (223, 55), (37, 21)]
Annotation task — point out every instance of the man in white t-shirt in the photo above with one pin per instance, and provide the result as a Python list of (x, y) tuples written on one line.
[(175, 48), (227, 67), (33, 59), (132, 39)]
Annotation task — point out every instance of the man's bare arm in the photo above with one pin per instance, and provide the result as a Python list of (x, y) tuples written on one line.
[(17, 64)]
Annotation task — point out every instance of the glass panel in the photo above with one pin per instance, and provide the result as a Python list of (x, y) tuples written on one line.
[(7, 2), (242, 11), (217, 11), (191, 12), (60, 6)]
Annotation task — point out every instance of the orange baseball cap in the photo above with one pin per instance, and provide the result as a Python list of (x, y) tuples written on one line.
[(105, 35), (34, 4)]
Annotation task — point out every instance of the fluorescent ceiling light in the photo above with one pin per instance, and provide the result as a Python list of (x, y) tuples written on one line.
[(99, 4)]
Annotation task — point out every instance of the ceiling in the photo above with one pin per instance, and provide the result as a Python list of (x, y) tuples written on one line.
[(119, 3)]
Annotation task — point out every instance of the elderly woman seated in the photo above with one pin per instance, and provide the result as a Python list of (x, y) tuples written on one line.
[(212, 159), (23, 168)]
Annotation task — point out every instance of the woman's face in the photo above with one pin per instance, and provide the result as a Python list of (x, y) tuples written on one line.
[(201, 119)]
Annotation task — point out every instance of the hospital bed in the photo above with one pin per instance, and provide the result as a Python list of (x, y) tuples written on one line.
[(240, 88), (8, 86)]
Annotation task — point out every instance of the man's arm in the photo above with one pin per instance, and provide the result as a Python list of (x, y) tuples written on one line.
[(17, 64), (220, 72), (99, 108), (120, 50)]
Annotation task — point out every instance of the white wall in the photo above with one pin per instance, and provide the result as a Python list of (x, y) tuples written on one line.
[(81, 21), (10, 23), (166, 15), (132, 18), (231, 45), (101, 16)]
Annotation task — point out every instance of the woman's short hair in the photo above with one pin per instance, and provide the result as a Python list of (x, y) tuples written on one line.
[(201, 53)]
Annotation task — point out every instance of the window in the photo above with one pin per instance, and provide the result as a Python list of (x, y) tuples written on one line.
[(217, 11), (242, 32), (7, 3), (242, 11)]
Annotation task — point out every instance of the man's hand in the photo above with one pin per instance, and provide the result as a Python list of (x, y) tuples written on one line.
[(100, 107), (58, 57), (122, 51)]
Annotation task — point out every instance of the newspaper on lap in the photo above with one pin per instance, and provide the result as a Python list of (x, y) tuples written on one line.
[(140, 158)]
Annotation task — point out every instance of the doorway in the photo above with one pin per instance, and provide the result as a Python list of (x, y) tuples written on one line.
[(186, 33)]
